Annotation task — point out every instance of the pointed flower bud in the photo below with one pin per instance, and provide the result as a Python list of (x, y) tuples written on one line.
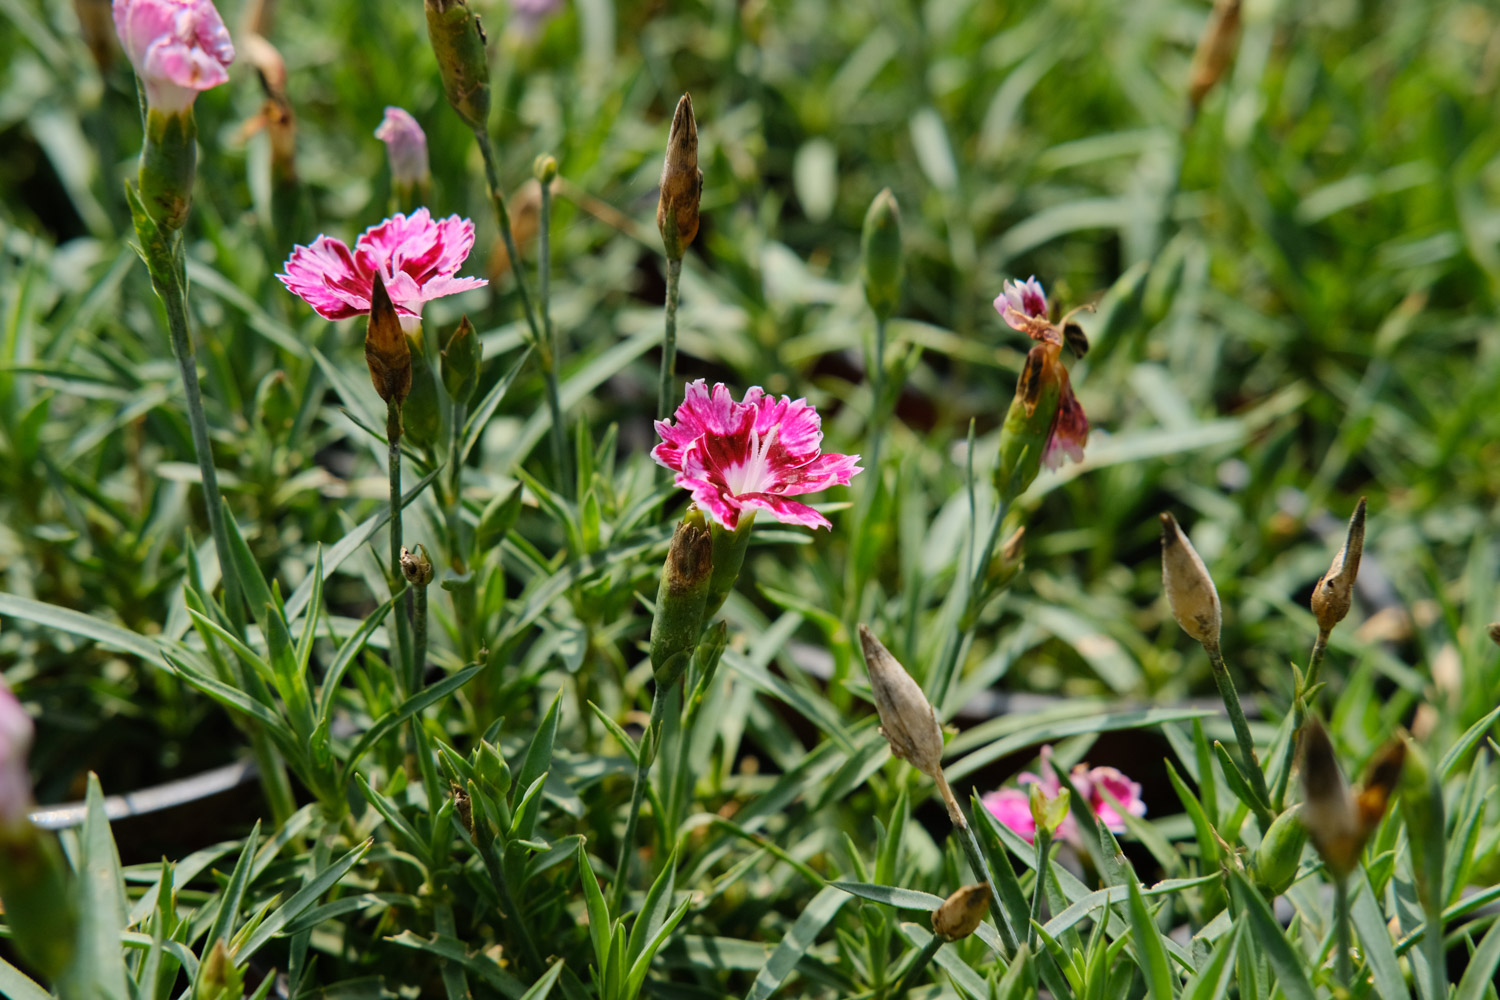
[(461, 362), (907, 720), (386, 351), (681, 183), (406, 150), (544, 168), (1280, 852), (1335, 592), (416, 566), (1190, 590), (880, 254), (1048, 810), (33, 883), (681, 597), (1215, 50), (961, 913), (1340, 821), (458, 42)]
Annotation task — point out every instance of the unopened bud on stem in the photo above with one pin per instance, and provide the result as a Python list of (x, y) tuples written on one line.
[(681, 598), (907, 720), (458, 42), (1190, 590), (1335, 592), (386, 350), (681, 183), (961, 913), (880, 254)]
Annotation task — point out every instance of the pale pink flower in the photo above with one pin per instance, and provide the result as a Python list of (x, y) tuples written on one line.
[(416, 256), (750, 455), (15, 741), (178, 47), (405, 146), (1012, 806), (532, 14), (1019, 301)]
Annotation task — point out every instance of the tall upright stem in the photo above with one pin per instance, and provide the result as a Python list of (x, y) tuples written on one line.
[(1342, 943), (643, 760), (970, 843), (552, 355), (1248, 758), (666, 393), (403, 665)]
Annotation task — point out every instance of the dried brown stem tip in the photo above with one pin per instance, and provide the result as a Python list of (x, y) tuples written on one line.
[(681, 183), (386, 350), (1190, 590), (416, 566), (1215, 50), (1494, 631), (907, 720), (1334, 593), (1338, 820), (961, 913)]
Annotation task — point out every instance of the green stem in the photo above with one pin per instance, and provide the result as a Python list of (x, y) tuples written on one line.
[(1299, 715), (552, 356), (273, 777), (1043, 843), (174, 299), (502, 219), (402, 667), (971, 597), (649, 741), (970, 843), (418, 640), (513, 914), (876, 367), (918, 966), (666, 394), (1248, 759), (455, 983), (1315, 659), (1342, 943)]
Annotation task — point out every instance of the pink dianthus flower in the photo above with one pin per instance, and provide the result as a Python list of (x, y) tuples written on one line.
[(178, 47), (1012, 806), (1023, 306), (416, 256), (750, 455)]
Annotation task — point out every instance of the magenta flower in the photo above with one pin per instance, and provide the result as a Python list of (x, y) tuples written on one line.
[(1012, 806), (1023, 306), (178, 47), (15, 740), (405, 146), (417, 259), (750, 455)]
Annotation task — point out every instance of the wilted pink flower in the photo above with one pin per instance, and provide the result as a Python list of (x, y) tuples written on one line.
[(1023, 306), (405, 146), (750, 455), (1020, 301), (15, 741), (416, 258), (1012, 806), (178, 47)]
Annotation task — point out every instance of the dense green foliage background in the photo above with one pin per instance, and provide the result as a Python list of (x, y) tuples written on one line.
[(1296, 295)]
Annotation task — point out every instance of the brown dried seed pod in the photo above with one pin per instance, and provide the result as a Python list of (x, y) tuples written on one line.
[(681, 183), (1215, 50), (386, 350), (907, 720), (1335, 591), (961, 913), (1190, 590)]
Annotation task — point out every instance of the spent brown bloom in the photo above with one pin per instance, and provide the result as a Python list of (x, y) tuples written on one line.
[(961, 913), (681, 183), (1190, 590), (1335, 591)]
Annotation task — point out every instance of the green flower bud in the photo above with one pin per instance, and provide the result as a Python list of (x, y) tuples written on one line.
[(1280, 852), (729, 558), (421, 414), (681, 598), (880, 254), (1028, 422), (169, 159), (458, 42), (460, 362), (493, 771), (544, 168), (1048, 811), (35, 897), (497, 520), (218, 977)]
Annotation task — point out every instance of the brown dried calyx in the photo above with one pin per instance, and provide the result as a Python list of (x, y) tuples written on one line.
[(1190, 590), (1215, 50), (1339, 820), (681, 183), (386, 350), (1335, 591), (961, 913)]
